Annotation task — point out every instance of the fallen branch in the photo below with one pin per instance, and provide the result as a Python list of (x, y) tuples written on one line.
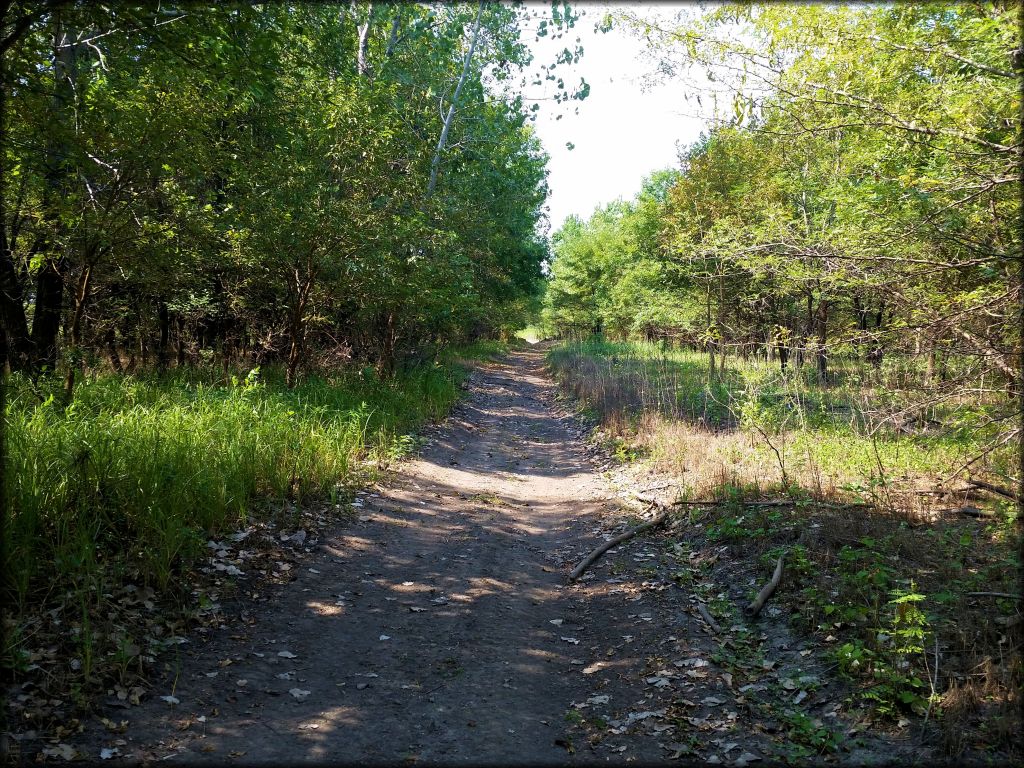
[(771, 503), (592, 557), (993, 489), (755, 607), (970, 512), (995, 594), (708, 619)]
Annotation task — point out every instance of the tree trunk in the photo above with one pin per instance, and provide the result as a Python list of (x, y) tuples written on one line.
[(164, 318), (822, 342), (48, 309), (75, 332), (877, 348), (363, 51), (110, 342), (50, 280), (393, 37), (297, 327), (436, 162), (12, 307), (386, 363), (13, 323), (181, 341)]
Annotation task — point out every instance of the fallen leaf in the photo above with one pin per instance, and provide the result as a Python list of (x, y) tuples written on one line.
[(286, 655), (107, 753), (385, 637), (171, 699), (298, 693), (65, 751), (572, 640), (556, 622)]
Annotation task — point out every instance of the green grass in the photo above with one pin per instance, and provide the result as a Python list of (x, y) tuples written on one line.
[(885, 586), (140, 470), (836, 429)]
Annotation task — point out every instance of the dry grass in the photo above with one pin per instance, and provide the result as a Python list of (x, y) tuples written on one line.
[(905, 535)]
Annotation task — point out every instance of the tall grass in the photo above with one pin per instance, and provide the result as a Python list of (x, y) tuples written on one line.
[(753, 424), (139, 471)]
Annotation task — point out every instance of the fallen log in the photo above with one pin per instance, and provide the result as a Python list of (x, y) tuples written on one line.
[(970, 512), (755, 607), (708, 619), (995, 594), (592, 557), (993, 489)]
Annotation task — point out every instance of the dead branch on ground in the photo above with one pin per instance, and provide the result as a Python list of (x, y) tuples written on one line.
[(766, 591), (593, 556)]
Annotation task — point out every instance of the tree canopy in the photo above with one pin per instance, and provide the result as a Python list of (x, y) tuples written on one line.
[(271, 183)]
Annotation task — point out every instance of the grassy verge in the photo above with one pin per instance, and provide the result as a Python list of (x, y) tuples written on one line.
[(911, 600), (752, 426), (124, 488)]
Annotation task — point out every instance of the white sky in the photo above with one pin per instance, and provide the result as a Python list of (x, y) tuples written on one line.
[(622, 133)]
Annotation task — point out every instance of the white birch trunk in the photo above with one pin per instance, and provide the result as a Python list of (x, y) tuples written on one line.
[(436, 162)]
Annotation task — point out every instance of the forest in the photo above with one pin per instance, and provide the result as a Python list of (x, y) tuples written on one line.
[(252, 254), (820, 308), (243, 250), (854, 220)]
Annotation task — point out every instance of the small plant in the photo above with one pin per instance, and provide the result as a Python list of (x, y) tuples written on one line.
[(808, 735), (889, 667)]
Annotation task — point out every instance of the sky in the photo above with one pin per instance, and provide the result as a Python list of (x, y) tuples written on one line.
[(623, 132)]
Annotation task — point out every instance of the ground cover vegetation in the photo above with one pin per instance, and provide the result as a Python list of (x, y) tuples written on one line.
[(816, 321), (243, 250)]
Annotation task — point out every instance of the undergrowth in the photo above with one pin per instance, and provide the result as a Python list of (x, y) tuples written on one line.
[(124, 487), (915, 605)]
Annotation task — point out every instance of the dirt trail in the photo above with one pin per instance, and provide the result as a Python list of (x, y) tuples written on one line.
[(423, 632), (439, 628)]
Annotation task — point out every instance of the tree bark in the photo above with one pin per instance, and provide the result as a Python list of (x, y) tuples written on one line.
[(822, 351), (13, 323), (363, 51), (436, 162), (110, 342), (396, 24), (181, 342), (75, 332), (50, 279), (297, 327), (164, 318)]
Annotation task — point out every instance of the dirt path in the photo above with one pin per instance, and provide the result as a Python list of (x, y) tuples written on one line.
[(424, 631), (439, 628)]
